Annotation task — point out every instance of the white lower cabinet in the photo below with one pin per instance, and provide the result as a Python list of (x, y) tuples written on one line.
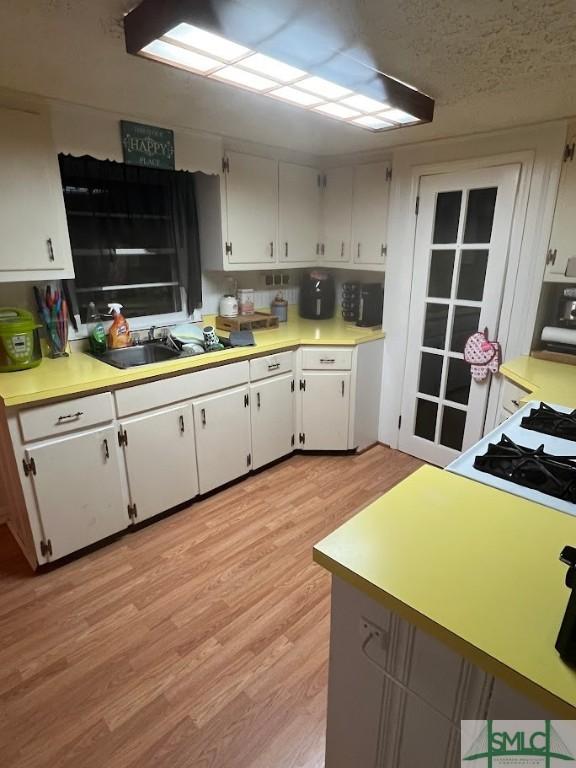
[(325, 410), (272, 419), (222, 429), (78, 489), (160, 454)]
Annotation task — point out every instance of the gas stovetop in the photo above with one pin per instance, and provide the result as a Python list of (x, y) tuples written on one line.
[(532, 454)]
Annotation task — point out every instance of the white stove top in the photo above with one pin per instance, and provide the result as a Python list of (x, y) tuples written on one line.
[(464, 464)]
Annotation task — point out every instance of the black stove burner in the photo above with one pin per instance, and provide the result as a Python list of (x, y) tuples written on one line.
[(551, 422), (532, 468)]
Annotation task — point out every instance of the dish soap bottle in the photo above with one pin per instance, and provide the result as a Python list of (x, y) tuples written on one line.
[(96, 332), (119, 331)]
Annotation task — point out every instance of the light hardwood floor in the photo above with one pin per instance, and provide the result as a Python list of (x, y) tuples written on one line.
[(198, 642)]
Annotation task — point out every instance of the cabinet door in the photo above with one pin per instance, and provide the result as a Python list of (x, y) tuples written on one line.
[(252, 209), (337, 215), (32, 215), (326, 411), (222, 429), (370, 213), (161, 460), (272, 416), (299, 213), (563, 238), (78, 489)]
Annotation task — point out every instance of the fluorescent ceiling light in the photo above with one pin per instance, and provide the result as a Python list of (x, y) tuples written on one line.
[(398, 116), (266, 65), (370, 121), (337, 110), (200, 40), (244, 78), (323, 88), (363, 103), (295, 96), (188, 46), (173, 54)]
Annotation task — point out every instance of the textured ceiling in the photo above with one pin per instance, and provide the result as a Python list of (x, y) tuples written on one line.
[(488, 64)]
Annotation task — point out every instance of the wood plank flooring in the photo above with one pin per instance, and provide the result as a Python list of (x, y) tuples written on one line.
[(198, 642)]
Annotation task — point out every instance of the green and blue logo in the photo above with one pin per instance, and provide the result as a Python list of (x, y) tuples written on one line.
[(536, 744)]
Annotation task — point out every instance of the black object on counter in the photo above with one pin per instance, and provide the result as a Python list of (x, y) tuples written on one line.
[(317, 295), (371, 305), (241, 339), (566, 642)]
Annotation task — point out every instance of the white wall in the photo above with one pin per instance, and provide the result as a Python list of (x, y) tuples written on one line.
[(544, 145)]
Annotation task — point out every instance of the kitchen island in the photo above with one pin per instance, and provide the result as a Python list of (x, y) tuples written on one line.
[(447, 599)]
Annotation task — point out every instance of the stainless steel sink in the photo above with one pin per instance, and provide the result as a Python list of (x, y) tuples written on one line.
[(140, 355)]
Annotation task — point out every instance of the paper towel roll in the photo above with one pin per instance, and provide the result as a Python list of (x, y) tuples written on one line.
[(559, 335)]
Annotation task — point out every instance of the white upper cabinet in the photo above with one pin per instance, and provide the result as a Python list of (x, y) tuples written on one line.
[(370, 214), (252, 209), (337, 215), (35, 242), (563, 238), (160, 457), (298, 214)]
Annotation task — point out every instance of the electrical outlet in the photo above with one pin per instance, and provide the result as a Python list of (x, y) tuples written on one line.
[(277, 279), (379, 636)]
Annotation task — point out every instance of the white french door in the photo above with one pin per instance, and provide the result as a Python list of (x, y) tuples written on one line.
[(460, 258)]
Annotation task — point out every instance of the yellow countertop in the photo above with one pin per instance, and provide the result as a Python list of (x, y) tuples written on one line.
[(81, 373), (543, 379), (474, 566)]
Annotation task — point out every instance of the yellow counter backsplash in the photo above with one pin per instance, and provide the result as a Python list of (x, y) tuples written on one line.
[(80, 372)]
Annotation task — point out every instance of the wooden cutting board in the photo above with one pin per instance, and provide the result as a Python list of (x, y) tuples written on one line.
[(257, 321)]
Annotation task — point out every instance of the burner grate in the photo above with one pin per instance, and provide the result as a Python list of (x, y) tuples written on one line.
[(531, 468), (549, 421)]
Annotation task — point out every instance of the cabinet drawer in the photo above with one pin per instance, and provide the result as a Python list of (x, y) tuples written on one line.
[(511, 396), (327, 358), (271, 365), (156, 394), (67, 416)]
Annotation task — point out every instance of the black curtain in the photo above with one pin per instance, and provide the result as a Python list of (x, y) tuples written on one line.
[(125, 204)]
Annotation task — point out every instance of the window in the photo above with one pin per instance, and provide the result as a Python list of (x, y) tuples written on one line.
[(134, 237)]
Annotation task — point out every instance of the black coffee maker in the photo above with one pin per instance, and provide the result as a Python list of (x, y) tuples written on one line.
[(371, 305), (317, 295)]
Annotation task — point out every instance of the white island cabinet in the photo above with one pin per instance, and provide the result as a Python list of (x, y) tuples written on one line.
[(160, 453), (35, 243)]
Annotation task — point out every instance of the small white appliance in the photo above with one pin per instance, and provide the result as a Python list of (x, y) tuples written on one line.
[(526, 456), (228, 306)]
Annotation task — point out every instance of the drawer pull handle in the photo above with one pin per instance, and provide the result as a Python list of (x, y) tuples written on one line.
[(516, 403), (273, 366), (50, 249), (203, 416), (106, 449), (258, 399), (182, 425), (70, 416), (327, 360)]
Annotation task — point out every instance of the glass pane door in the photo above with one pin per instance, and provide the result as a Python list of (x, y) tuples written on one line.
[(459, 266)]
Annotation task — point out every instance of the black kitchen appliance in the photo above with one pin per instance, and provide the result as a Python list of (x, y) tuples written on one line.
[(371, 305), (317, 295), (566, 641)]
